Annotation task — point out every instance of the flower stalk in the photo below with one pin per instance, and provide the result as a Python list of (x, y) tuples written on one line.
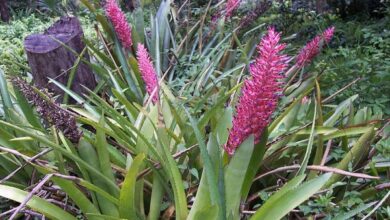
[(49, 111)]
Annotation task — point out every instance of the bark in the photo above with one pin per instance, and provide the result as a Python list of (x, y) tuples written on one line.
[(49, 58)]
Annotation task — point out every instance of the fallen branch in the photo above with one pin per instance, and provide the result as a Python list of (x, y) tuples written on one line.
[(317, 168), (28, 161), (339, 91), (383, 186), (326, 153), (30, 195)]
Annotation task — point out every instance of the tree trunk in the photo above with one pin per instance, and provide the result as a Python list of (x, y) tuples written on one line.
[(132, 4), (4, 11), (321, 6), (48, 58)]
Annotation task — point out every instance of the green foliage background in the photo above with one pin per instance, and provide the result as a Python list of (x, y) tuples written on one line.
[(197, 111)]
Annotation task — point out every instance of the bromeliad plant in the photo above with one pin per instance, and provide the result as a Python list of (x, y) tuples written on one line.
[(141, 145)]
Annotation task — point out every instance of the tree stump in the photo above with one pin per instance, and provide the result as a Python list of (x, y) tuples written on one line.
[(321, 6), (4, 11), (48, 58)]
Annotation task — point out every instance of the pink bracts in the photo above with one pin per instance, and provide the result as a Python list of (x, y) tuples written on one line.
[(313, 47), (260, 93), (147, 72), (118, 20), (231, 5)]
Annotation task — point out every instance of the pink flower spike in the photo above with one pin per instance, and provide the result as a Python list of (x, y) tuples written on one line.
[(147, 72), (328, 34), (118, 20), (313, 48), (305, 100), (260, 93), (231, 5)]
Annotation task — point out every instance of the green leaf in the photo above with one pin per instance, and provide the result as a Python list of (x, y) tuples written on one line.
[(116, 156), (99, 190), (77, 196), (254, 164), (304, 88), (309, 147), (72, 74), (147, 130), (202, 201), (347, 132), (317, 130), (339, 111), (27, 110), (139, 23), (103, 155), (320, 121), (358, 151), (105, 59), (35, 203), (353, 212), (223, 124), (66, 153), (156, 45), (77, 98), (289, 197), (135, 94), (88, 5), (156, 198), (105, 217), (208, 167), (210, 212), (5, 97), (171, 168), (131, 111), (215, 109), (127, 203), (286, 112), (235, 176), (290, 185), (7, 137), (105, 25), (88, 154)]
